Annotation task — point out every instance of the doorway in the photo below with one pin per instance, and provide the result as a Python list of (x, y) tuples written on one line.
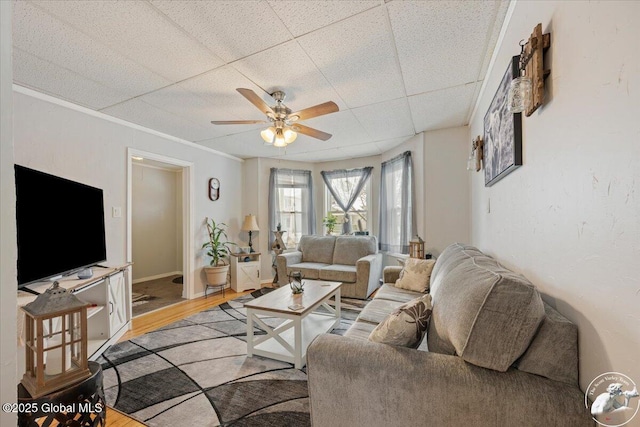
[(159, 210)]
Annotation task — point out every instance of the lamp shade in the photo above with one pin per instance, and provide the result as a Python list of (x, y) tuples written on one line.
[(250, 223)]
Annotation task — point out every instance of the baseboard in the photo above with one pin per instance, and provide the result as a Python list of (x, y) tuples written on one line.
[(157, 276)]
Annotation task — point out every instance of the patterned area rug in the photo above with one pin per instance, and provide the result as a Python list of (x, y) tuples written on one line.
[(196, 372)]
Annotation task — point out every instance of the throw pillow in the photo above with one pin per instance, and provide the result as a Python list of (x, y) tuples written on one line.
[(406, 326), (415, 274)]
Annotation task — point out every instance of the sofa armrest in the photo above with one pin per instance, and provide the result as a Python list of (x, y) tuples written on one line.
[(360, 383), (368, 272), (284, 259), (391, 273)]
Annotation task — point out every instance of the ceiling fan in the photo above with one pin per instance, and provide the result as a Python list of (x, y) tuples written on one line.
[(284, 123)]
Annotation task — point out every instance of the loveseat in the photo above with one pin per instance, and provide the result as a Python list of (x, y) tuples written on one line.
[(352, 260), (494, 355)]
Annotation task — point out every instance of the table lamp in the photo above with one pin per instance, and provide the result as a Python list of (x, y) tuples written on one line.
[(250, 224)]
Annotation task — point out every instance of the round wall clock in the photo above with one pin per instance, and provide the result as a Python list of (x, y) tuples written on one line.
[(214, 189)]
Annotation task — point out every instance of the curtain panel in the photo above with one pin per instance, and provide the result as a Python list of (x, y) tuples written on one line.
[(345, 186), (291, 203), (397, 207)]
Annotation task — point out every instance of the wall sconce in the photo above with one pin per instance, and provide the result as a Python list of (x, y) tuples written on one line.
[(474, 162), (527, 90)]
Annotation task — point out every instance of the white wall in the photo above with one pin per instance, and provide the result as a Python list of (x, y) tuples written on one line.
[(154, 220), (446, 188), (8, 254), (569, 218), (91, 149)]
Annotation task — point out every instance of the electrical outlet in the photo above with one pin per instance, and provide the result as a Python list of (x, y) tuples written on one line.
[(116, 212)]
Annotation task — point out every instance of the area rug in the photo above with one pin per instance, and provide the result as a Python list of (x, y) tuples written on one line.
[(196, 372)]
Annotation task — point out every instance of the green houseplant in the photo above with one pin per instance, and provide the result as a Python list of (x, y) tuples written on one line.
[(218, 248), (330, 222)]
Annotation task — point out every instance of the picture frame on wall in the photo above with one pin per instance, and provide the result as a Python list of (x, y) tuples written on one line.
[(502, 132)]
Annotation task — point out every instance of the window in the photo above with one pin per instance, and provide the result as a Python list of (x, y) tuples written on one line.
[(397, 217), (291, 204), (346, 198)]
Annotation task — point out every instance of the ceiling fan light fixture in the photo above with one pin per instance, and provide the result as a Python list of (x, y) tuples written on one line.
[(268, 134), (289, 135), (279, 141)]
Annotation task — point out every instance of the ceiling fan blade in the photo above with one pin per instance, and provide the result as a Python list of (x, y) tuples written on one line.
[(315, 133), (315, 111), (236, 122), (256, 100)]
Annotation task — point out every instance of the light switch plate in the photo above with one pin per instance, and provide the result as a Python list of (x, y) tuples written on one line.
[(116, 212)]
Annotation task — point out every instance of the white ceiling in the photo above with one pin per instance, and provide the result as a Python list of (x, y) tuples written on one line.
[(395, 68)]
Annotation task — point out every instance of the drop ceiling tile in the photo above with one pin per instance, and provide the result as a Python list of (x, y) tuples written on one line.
[(230, 29), (67, 47), (389, 144), (143, 114), (302, 17), (344, 127), (357, 56), (140, 32), (442, 109), (218, 89), (386, 120), (493, 37), (441, 43), (244, 145), (287, 67), (43, 76), (183, 103)]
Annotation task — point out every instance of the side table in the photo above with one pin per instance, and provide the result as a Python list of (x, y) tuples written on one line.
[(81, 404)]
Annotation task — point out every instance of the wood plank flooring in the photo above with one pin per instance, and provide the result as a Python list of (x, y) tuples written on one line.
[(157, 319)]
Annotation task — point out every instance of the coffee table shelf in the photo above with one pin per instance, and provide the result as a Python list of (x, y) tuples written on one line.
[(288, 341)]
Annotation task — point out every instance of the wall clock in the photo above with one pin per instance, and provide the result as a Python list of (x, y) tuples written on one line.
[(214, 189)]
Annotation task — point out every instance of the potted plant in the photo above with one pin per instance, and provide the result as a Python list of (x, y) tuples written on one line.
[(218, 249), (330, 222)]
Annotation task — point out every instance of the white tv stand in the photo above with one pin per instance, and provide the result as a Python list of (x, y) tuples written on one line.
[(109, 290)]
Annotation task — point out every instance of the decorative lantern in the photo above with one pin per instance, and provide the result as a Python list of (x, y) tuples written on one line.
[(55, 341), (416, 247)]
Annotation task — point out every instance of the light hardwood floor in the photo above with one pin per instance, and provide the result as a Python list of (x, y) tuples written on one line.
[(157, 319)]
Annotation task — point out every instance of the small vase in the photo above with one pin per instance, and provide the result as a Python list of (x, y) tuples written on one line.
[(297, 298)]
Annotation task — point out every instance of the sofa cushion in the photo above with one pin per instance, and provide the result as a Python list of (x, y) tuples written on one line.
[(317, 248), (309, 270), (338, 273), (449, 259), (553, 353), (415, 275), (360, 330), (406, 325), (483, 312), (390, 292), (349, 249), (377, 310)]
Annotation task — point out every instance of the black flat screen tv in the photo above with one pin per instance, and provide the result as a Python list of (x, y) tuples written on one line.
[(60, 226)]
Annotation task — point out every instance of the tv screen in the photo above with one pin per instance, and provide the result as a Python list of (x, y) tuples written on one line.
[(60, 225)]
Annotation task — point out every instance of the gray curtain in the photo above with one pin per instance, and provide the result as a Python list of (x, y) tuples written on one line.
[(344, 190), (282, 203), (397, 208)]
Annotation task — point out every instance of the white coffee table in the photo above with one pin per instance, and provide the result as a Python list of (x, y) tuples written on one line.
[(288, 342)]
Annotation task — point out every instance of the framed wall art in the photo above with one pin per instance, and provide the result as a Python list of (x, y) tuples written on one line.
[(502, 132)]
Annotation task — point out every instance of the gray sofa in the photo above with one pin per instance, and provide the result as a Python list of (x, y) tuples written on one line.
[(494, 355), (352, 260)]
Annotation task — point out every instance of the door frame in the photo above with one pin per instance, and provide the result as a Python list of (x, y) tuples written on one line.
[(188, 254)]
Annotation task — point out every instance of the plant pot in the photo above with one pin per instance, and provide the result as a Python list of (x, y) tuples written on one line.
[(217, 275), (297, 298)]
